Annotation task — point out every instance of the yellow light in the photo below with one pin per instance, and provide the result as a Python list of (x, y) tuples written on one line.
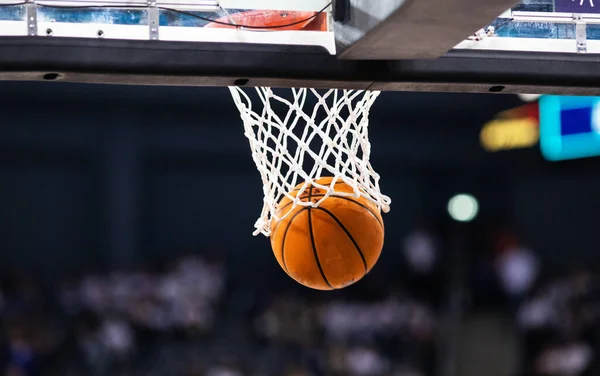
[(510, 134)]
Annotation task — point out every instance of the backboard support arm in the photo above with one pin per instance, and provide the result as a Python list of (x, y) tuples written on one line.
[(210, 64)]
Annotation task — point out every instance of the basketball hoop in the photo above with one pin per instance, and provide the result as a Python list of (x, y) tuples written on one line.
[(305, 135)]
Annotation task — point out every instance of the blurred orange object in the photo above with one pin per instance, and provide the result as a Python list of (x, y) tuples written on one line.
[(530, 110), (275, 20)]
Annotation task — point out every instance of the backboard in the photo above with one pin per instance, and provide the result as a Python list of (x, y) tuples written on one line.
[(537, 46)]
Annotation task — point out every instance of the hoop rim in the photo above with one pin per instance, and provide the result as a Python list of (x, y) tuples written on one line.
[(298, 20)]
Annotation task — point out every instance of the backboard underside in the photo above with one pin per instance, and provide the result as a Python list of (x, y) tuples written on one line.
[(538, 46)]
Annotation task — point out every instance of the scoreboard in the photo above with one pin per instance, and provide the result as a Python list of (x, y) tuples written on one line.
[(569, 127)]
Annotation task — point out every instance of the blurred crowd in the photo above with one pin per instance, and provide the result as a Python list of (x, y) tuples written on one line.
[(560, 324), (190, 318), (555, 311), (187, 319)]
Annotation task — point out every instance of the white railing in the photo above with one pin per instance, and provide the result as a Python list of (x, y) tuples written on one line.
[(35, 25), (555, 17), (198, 5)]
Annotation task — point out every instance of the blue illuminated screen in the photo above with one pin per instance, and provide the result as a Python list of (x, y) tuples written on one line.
[(576, 120), (569, 127)]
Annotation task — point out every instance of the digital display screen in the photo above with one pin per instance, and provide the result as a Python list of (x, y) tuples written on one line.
[(575, 121), (569, 127), (577, 6)]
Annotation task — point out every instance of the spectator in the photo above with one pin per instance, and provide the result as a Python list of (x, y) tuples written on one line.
[(21, 353), (421, 253), (571, 359), (558, 322), (365, 361), (117, 337), (517, 267), (129, 323)]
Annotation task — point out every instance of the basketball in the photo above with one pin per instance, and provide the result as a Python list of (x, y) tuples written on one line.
[(331, 246)]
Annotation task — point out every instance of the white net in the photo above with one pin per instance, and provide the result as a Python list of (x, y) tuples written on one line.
[(309, 134)]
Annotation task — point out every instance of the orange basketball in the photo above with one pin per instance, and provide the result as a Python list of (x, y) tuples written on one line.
[(328, 247)]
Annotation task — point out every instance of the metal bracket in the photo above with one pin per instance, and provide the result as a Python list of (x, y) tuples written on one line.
[(580, 33), (153, 20), (31, 14), (341, 11)]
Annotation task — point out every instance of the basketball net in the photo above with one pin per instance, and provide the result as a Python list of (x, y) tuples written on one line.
[(295, 141)]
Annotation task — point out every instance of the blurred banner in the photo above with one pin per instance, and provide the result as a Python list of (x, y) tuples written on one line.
[(516, 128), (569, 127)]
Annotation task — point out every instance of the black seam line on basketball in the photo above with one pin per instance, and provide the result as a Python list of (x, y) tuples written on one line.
[(363, 206), (284, 236), (360, 253), (314, 246), (342, 198)]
